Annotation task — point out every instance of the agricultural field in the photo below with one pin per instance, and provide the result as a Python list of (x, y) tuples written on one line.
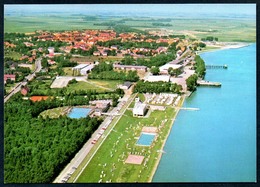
[(108, 164), (224, 29), (26, 24)]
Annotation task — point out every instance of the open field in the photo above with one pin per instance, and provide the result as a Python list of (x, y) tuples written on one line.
[(109, 161), (30, 24), (55, 112), (225, 29), (13, 55), (111, 84), (80, 85), (68, 71)]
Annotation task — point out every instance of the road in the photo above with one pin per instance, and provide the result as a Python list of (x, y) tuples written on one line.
[(79, 157), (17, 88)]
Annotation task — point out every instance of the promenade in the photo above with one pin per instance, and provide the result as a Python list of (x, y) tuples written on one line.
[(75, 166)]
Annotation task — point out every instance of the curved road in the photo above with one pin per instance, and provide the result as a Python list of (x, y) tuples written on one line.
[(38, 67)]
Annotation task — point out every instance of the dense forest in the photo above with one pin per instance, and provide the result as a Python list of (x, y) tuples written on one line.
[(157, 87), (37, 149)]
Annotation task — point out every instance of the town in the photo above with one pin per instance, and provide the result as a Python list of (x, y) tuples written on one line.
[(113, 82), (125, 93)]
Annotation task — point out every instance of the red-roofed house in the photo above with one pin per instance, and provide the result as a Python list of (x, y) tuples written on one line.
[(9, 76), (24, 90), (38, 98)]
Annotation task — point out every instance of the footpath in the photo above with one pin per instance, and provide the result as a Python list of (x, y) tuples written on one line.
[(71, 167)]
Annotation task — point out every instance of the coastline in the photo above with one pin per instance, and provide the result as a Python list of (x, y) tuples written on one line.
[(224, 45), (166, 138)]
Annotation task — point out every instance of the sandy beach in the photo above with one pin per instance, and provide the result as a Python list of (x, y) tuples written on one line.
[(160, 154)]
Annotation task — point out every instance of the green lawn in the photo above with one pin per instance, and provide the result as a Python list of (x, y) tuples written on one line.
[(9, 87), (111, 84), (141, 97), (80, 85), (68, 71), (118, 145), (14, 55), (55, 112)]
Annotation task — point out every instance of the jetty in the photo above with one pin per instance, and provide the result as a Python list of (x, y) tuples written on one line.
[(216, 66), (186, 108), (208, 83)]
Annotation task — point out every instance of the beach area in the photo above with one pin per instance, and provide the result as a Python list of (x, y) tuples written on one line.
[(213, 46), (164, 142)]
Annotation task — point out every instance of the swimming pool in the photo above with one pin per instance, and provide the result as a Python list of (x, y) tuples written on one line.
[(146, 139), (78, 113)]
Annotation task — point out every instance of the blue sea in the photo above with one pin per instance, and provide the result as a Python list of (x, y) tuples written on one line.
[(218, 142)]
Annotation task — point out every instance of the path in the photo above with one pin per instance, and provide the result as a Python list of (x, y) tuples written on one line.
[(80, 156)]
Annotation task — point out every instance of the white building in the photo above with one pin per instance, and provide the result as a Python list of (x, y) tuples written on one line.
[(164, 68), (157, 78), (51, 51), (139, 109), (87, 69), (80, 66)]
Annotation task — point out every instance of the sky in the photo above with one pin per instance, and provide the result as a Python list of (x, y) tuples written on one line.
[(140, 9)]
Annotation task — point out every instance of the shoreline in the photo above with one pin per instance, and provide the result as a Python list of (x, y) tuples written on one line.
[(164, 142), (225, 45)]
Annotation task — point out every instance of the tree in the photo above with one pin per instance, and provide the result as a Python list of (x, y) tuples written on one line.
[(201, 44), (192, 82), (155, 70), (128, 60), (171, 71), (200, 67)]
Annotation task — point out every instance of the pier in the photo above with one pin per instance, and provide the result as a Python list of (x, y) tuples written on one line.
[(185, 108), (216, 66), (208, 83)]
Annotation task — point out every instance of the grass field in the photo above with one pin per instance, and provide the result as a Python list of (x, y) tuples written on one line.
[(224, 29), (111, 84), (68, 71), (14, 55), (30, 24), (141, 97), (98, 85), (80, 85), (109, 160), (55, 112)]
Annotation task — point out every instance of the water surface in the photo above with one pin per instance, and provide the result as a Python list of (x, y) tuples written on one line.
[(218, 142)]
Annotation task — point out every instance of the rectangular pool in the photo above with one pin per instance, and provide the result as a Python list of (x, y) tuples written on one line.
[(146, 139), (79, 112)]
